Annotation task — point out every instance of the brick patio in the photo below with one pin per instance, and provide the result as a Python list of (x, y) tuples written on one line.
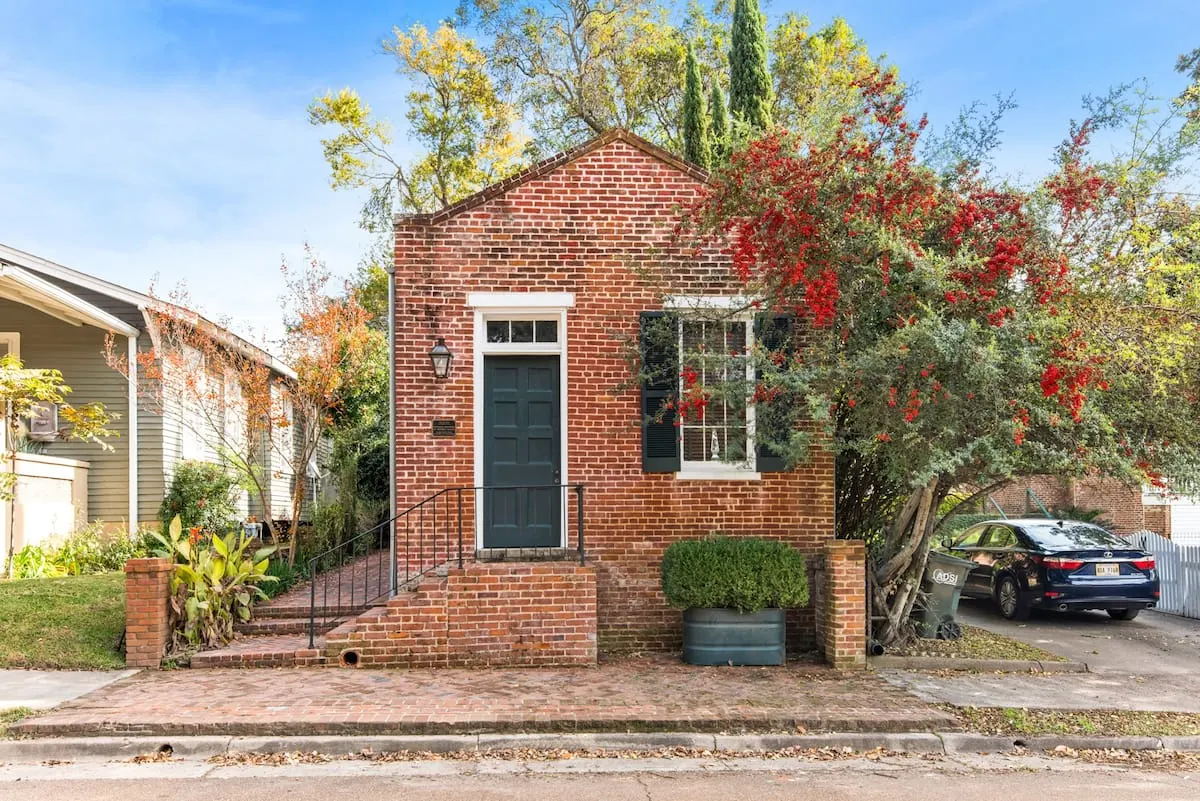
[(627, 695)]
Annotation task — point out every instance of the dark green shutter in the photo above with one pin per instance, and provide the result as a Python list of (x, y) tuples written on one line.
[(772, 333), (660, 435)]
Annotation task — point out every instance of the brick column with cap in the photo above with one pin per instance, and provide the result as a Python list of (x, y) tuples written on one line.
[(147, 587), (845, 631)]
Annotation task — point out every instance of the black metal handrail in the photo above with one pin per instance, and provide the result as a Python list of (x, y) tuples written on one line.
[(426, 537), (342, 563)]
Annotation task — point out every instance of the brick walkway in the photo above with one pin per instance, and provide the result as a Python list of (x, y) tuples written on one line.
[(356, 583), (625, 695)]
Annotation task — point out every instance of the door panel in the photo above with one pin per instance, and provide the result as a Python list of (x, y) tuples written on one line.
[(521, 449)]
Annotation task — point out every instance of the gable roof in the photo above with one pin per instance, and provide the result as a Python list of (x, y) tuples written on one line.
[(550, 164), (27, 288), (35, 266)]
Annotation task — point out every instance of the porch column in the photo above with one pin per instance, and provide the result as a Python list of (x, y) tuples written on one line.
[(133, 432)]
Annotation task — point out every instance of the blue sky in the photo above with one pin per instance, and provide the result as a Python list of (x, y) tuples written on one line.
[(168, 138)]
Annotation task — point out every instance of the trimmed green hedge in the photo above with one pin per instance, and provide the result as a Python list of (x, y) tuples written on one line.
[(743, 573)]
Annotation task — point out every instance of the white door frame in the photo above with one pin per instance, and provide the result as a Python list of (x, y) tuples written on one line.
[(519, 306)]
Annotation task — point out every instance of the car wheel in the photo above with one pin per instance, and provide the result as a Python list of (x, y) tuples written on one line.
[(1009, 600), (1123, 614)]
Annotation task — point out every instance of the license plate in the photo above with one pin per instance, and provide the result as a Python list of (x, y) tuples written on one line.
[(1108, 569)]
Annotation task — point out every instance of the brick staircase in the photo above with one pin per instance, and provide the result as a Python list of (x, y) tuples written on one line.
[(277, 634), (497, 614)]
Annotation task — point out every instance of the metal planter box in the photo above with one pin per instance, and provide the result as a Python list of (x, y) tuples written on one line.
[(729, 637)]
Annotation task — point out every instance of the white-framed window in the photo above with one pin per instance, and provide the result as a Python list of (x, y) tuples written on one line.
[(716, 429), (10, 343)]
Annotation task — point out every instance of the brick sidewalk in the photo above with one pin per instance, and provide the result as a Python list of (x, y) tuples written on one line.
[(646, 694)]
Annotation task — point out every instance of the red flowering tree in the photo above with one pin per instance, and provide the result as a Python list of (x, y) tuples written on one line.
[(959, 332)]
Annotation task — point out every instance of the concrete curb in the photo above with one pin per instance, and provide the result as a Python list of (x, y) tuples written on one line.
[(982, 665), (82, 749)]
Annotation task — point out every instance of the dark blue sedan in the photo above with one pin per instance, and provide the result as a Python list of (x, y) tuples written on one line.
[(1035, 563)]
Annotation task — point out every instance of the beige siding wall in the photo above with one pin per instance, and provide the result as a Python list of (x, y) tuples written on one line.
[(78, 351)]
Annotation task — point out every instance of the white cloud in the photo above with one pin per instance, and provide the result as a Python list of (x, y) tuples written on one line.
[(204, 182)]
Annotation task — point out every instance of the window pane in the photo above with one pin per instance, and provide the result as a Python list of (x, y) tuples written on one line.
[(497, 331), (715, 350), (522, 330), (546, 330)]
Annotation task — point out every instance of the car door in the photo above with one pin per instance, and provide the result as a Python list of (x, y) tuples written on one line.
[(968, 546), (1001, 546)]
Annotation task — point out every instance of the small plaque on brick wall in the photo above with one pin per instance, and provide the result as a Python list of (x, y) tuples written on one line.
[(444, 428)]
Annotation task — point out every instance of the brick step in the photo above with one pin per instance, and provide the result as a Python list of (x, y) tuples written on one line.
[(284, 650), (284, 625)]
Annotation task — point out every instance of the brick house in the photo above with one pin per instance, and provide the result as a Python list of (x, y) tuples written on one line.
[(537, 285), (536, 488)]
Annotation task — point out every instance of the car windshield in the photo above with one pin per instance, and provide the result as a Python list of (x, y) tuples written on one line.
[(1068, 535)]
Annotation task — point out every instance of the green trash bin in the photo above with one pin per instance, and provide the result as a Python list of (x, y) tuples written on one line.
[(941, 587)]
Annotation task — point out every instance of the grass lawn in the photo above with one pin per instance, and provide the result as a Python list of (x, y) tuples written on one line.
[(11, 716), (1009, 721), (72, 623)]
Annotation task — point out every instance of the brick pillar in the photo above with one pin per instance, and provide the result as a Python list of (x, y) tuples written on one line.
[(147, 586), (845, 630)]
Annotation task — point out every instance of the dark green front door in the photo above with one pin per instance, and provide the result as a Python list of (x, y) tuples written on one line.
[(521, 450)]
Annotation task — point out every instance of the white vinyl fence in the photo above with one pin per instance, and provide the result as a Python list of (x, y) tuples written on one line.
[(1178, 573)]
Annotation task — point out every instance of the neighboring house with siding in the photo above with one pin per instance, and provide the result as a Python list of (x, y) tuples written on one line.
[(52, 316)]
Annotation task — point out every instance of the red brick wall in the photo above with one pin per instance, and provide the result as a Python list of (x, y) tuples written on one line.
[(598, 226), (1158, 519), (147, 586), (844, 631), (1050, 490), (482, 616), (1120, 503)]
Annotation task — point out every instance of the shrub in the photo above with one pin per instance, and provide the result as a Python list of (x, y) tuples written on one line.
[(32, 562), (203, 496), (214, 582), (331, 526), (92, 550), (286, 576), (743, 573), (1097, 517)]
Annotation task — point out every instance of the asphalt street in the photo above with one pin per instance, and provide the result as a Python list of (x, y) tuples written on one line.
[(896, 779)]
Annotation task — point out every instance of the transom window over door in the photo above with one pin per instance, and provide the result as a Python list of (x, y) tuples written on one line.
[(525, 331), (715, 429)]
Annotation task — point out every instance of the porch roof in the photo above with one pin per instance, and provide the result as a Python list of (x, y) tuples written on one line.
[(22, 286)]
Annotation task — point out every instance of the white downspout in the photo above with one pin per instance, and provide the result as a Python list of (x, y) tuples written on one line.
[(133, 432), (391, 271)]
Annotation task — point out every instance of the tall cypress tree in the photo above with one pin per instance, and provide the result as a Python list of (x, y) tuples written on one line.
[(750, 93), (695, 117), (718, 128)]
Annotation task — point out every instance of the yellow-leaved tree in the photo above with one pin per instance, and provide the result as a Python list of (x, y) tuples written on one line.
[(22, 392), (456, 118)]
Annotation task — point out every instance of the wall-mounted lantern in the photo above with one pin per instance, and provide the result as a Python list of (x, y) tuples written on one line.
[(441, 357)]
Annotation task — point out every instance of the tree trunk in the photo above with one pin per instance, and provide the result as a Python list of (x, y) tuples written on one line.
[(897, 574)]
